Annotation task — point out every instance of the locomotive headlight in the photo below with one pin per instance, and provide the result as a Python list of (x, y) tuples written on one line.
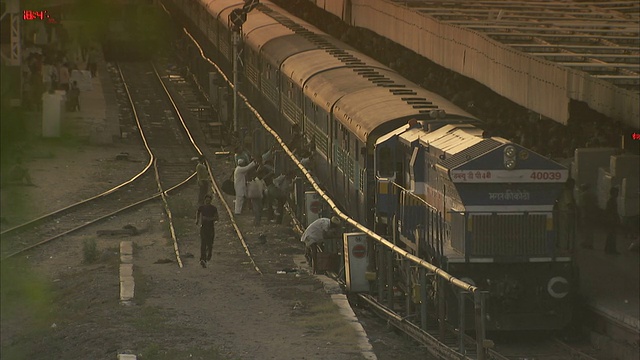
[(510, 151), (510, 157), (510, 164), (558, 287)]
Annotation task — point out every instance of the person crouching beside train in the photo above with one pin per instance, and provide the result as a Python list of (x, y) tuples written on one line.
[(316, 234)]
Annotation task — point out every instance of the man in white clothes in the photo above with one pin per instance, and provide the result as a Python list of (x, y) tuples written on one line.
[(240, 182)]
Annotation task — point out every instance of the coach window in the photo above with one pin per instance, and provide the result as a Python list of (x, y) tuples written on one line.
[(325, 124), (345, 141)]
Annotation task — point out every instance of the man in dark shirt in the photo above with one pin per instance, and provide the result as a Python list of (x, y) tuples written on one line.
[(207, 215)]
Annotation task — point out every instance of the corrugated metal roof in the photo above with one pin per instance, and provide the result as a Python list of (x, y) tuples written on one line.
[(541, 55), (476, 150), (411, 135), (452, 139), (311, 68), (601, 38), (459, 143)]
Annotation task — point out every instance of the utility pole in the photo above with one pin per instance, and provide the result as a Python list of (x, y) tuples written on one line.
[(237, 17), (14, 60), (235, 38)]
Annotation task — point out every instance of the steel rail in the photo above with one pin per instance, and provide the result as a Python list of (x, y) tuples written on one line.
[(161, 193), (97, 220), (165, 203), (235, 225), (154, 159), (434, 346), (82, 202), (167, 210), (115, 188), (574, 352), (214, 186)]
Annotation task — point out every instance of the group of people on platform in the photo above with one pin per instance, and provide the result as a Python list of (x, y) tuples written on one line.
[(582, 217), (255, 180), (46, 69)]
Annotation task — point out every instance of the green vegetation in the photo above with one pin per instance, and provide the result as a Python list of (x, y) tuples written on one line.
[(25, 299), (150, 318), (90, 251), (181, 207)]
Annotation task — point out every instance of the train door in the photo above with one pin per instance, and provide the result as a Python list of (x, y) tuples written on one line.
[(334, 145), (385, 175), (347, 166)]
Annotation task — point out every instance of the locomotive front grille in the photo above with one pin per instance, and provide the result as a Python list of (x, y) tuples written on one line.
[(508, 235)]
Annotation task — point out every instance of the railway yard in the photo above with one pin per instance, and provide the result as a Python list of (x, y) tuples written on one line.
[(178, 312), (100, 254)]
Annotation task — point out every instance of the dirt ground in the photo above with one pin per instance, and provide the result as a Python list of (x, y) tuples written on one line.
[(57, 303)]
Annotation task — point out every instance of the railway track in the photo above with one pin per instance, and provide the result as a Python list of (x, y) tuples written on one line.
[(170, 150), (532, 345)]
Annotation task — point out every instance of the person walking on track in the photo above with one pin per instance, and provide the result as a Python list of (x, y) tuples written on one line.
[(207, 215)]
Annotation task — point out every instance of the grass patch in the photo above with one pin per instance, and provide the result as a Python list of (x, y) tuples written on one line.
[(90, 251), (25, 310), (143, 285), (181, 207), (22, 291), (150, 318)]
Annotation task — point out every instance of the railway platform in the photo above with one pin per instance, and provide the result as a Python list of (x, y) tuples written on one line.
[(98, 119), (610, 287)]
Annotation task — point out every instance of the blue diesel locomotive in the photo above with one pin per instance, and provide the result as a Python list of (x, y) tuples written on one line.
[(497, 204), (406, 162)]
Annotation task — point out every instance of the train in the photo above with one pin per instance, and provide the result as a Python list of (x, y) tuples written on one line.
[(406, 162)]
